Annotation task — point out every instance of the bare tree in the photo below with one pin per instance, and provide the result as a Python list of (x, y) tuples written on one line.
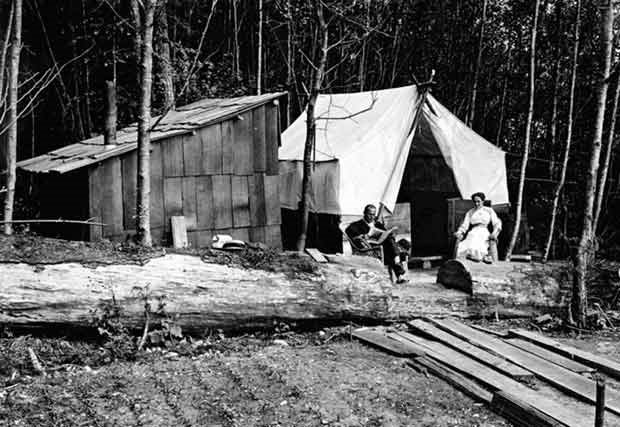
[(602, 179), (474, 89), (143, 190), (319, 74), (166, 72), (586, 248), (528, 131), (3, 51), (569, 134), (259, 55), (11, 154)]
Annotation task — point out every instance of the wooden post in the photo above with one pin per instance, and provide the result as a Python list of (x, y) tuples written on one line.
[(109, 135), (599, 415)]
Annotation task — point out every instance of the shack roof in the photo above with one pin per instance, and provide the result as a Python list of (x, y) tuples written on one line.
[(181, 121)]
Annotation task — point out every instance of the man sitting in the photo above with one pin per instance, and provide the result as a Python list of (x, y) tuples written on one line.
[(363, 233)]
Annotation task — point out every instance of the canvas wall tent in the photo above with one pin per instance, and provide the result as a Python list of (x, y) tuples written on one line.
[(386, 146)]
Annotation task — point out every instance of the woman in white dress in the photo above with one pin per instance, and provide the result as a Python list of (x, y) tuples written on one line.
[(474, 232)]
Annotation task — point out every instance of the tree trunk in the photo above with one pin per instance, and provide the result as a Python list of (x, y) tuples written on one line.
[(556, 89), (602, 179), (109, 134), (474, 89), (569, 133), (586, 248), (502, 105), (362, 65), (290, 58), (143, 190), (196, 294), (166, 75), (134, 9), (528, 128), (259, 54), (236, 34), (306, 184), (11, 154), (3, 51), (505, 282)]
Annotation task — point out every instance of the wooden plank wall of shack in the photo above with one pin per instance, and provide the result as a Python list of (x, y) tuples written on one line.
[(222, 178)]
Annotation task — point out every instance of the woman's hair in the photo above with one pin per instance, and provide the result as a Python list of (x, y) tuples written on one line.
[(479, 194)]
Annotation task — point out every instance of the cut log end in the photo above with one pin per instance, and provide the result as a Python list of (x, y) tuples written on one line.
[(454, 274)]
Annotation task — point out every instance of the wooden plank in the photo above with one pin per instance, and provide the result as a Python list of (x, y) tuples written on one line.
[(157, 235), (179, 232), (112, 197), (542, 352), (272, 200), (240, 201), (95, 186), (129, 166), (204, 203), (456, 380), (211, 139), (316, 255), (501, 334), (242, 234), (273, 236), (228, 138), (172, 150), (157, 187), (604, 364), (173, 198), (271, 139), (192, 239), (205, 237), (474, 352), (520, 413), (379, 340), (258, 136), (242, 145), (569, 416), (256, 188), (258, 234), (189, 202), (563, 379), (222, 201), (192, 154)]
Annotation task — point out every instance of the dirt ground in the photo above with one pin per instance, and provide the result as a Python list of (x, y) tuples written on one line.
[(294, 380)]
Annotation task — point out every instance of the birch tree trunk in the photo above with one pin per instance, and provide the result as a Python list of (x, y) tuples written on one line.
[(290, 58), (474, 89), (569, 134), (259, 55), (134, 9), (11, 154), (361, 72), (236, 35), (586, 248), (556, 89), (602, 179), (528, 131), (166, 75), (143, 190), (306, 185), (3, 51)]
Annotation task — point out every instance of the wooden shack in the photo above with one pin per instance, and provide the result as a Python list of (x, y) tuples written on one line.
[(215, 162)]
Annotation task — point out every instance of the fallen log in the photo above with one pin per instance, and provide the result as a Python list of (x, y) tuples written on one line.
[(507, 282), (197, 295)]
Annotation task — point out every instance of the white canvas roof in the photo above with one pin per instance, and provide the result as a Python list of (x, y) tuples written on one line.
[(363, 142)]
